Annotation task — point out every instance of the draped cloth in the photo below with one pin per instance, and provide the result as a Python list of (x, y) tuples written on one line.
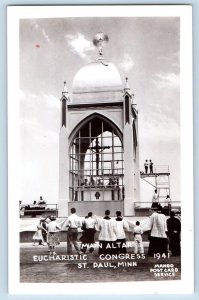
[(31, 224)]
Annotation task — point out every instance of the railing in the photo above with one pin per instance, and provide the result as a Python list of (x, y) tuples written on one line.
[(161, 169), (142, 205), (145, 208), (33, 211), (157, 169)]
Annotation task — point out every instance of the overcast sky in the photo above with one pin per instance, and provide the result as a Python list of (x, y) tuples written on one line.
[(146, 50)]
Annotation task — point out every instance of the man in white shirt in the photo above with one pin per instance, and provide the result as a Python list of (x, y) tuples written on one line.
[(74, 222), (167, 206), (138, 231), (158, 237), (122, 227), (155, 199), (107, 235), (88, 236)]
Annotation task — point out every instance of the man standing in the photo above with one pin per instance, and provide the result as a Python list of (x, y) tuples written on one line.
[(74, 222), (151, 166), (167, 206), (107, 235), (88, 236), (146, 166), (122, 227), (158, 237), (174, 229), (155, 199), (138, 231)]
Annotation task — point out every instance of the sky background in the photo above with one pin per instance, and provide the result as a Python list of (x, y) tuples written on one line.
[(146, 50)]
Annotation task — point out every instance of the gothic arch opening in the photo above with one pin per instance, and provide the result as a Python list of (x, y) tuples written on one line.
[(96, 161)]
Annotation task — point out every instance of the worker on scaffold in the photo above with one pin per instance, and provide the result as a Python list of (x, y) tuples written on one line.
[(155, 199), (146, 165), (151, 166)]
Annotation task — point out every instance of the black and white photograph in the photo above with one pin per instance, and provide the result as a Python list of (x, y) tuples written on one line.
[(100, 148)]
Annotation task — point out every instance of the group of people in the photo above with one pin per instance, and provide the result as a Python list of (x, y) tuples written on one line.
[(166, 203), (148, 166), (32, 209), (47, 233), (112, 182), (164, 233)]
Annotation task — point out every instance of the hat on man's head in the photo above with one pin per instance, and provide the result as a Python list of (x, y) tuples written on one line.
[(172, 213), (154, 208)]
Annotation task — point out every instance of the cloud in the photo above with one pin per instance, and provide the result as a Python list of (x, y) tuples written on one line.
[(157, 126), (159, 140), (175, 65), (42, 32), (166, 80), (45, 35), (80, 45), (127, 62), (36, 26), (173, 59), (39, 117), (39, 146), (175, 56)]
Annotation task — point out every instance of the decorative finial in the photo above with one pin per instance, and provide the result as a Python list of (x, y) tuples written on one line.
[(65, 88), (100, 40), (126, 87), (65, 91)]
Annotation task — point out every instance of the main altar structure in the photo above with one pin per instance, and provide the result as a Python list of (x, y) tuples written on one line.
[(99, 146)]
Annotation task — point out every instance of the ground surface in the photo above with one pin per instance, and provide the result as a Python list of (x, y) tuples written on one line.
[(94, 269)]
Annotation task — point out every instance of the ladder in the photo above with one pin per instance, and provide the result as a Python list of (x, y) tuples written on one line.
[(159, 179)]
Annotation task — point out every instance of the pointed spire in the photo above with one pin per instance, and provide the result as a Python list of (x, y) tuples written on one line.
[(65, 91)]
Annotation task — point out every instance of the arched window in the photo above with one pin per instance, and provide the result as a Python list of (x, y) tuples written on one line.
[(96, 162)]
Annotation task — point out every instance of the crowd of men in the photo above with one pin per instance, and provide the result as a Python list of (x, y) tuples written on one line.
[(164, 233)]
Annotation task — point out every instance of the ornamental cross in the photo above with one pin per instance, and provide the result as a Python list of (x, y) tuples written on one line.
[(97, 195), (98, 149)]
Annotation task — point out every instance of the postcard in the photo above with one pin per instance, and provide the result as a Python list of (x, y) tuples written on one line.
[(100, 146)]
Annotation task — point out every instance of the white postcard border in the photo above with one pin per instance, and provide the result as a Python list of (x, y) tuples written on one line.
[(183, 286)]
